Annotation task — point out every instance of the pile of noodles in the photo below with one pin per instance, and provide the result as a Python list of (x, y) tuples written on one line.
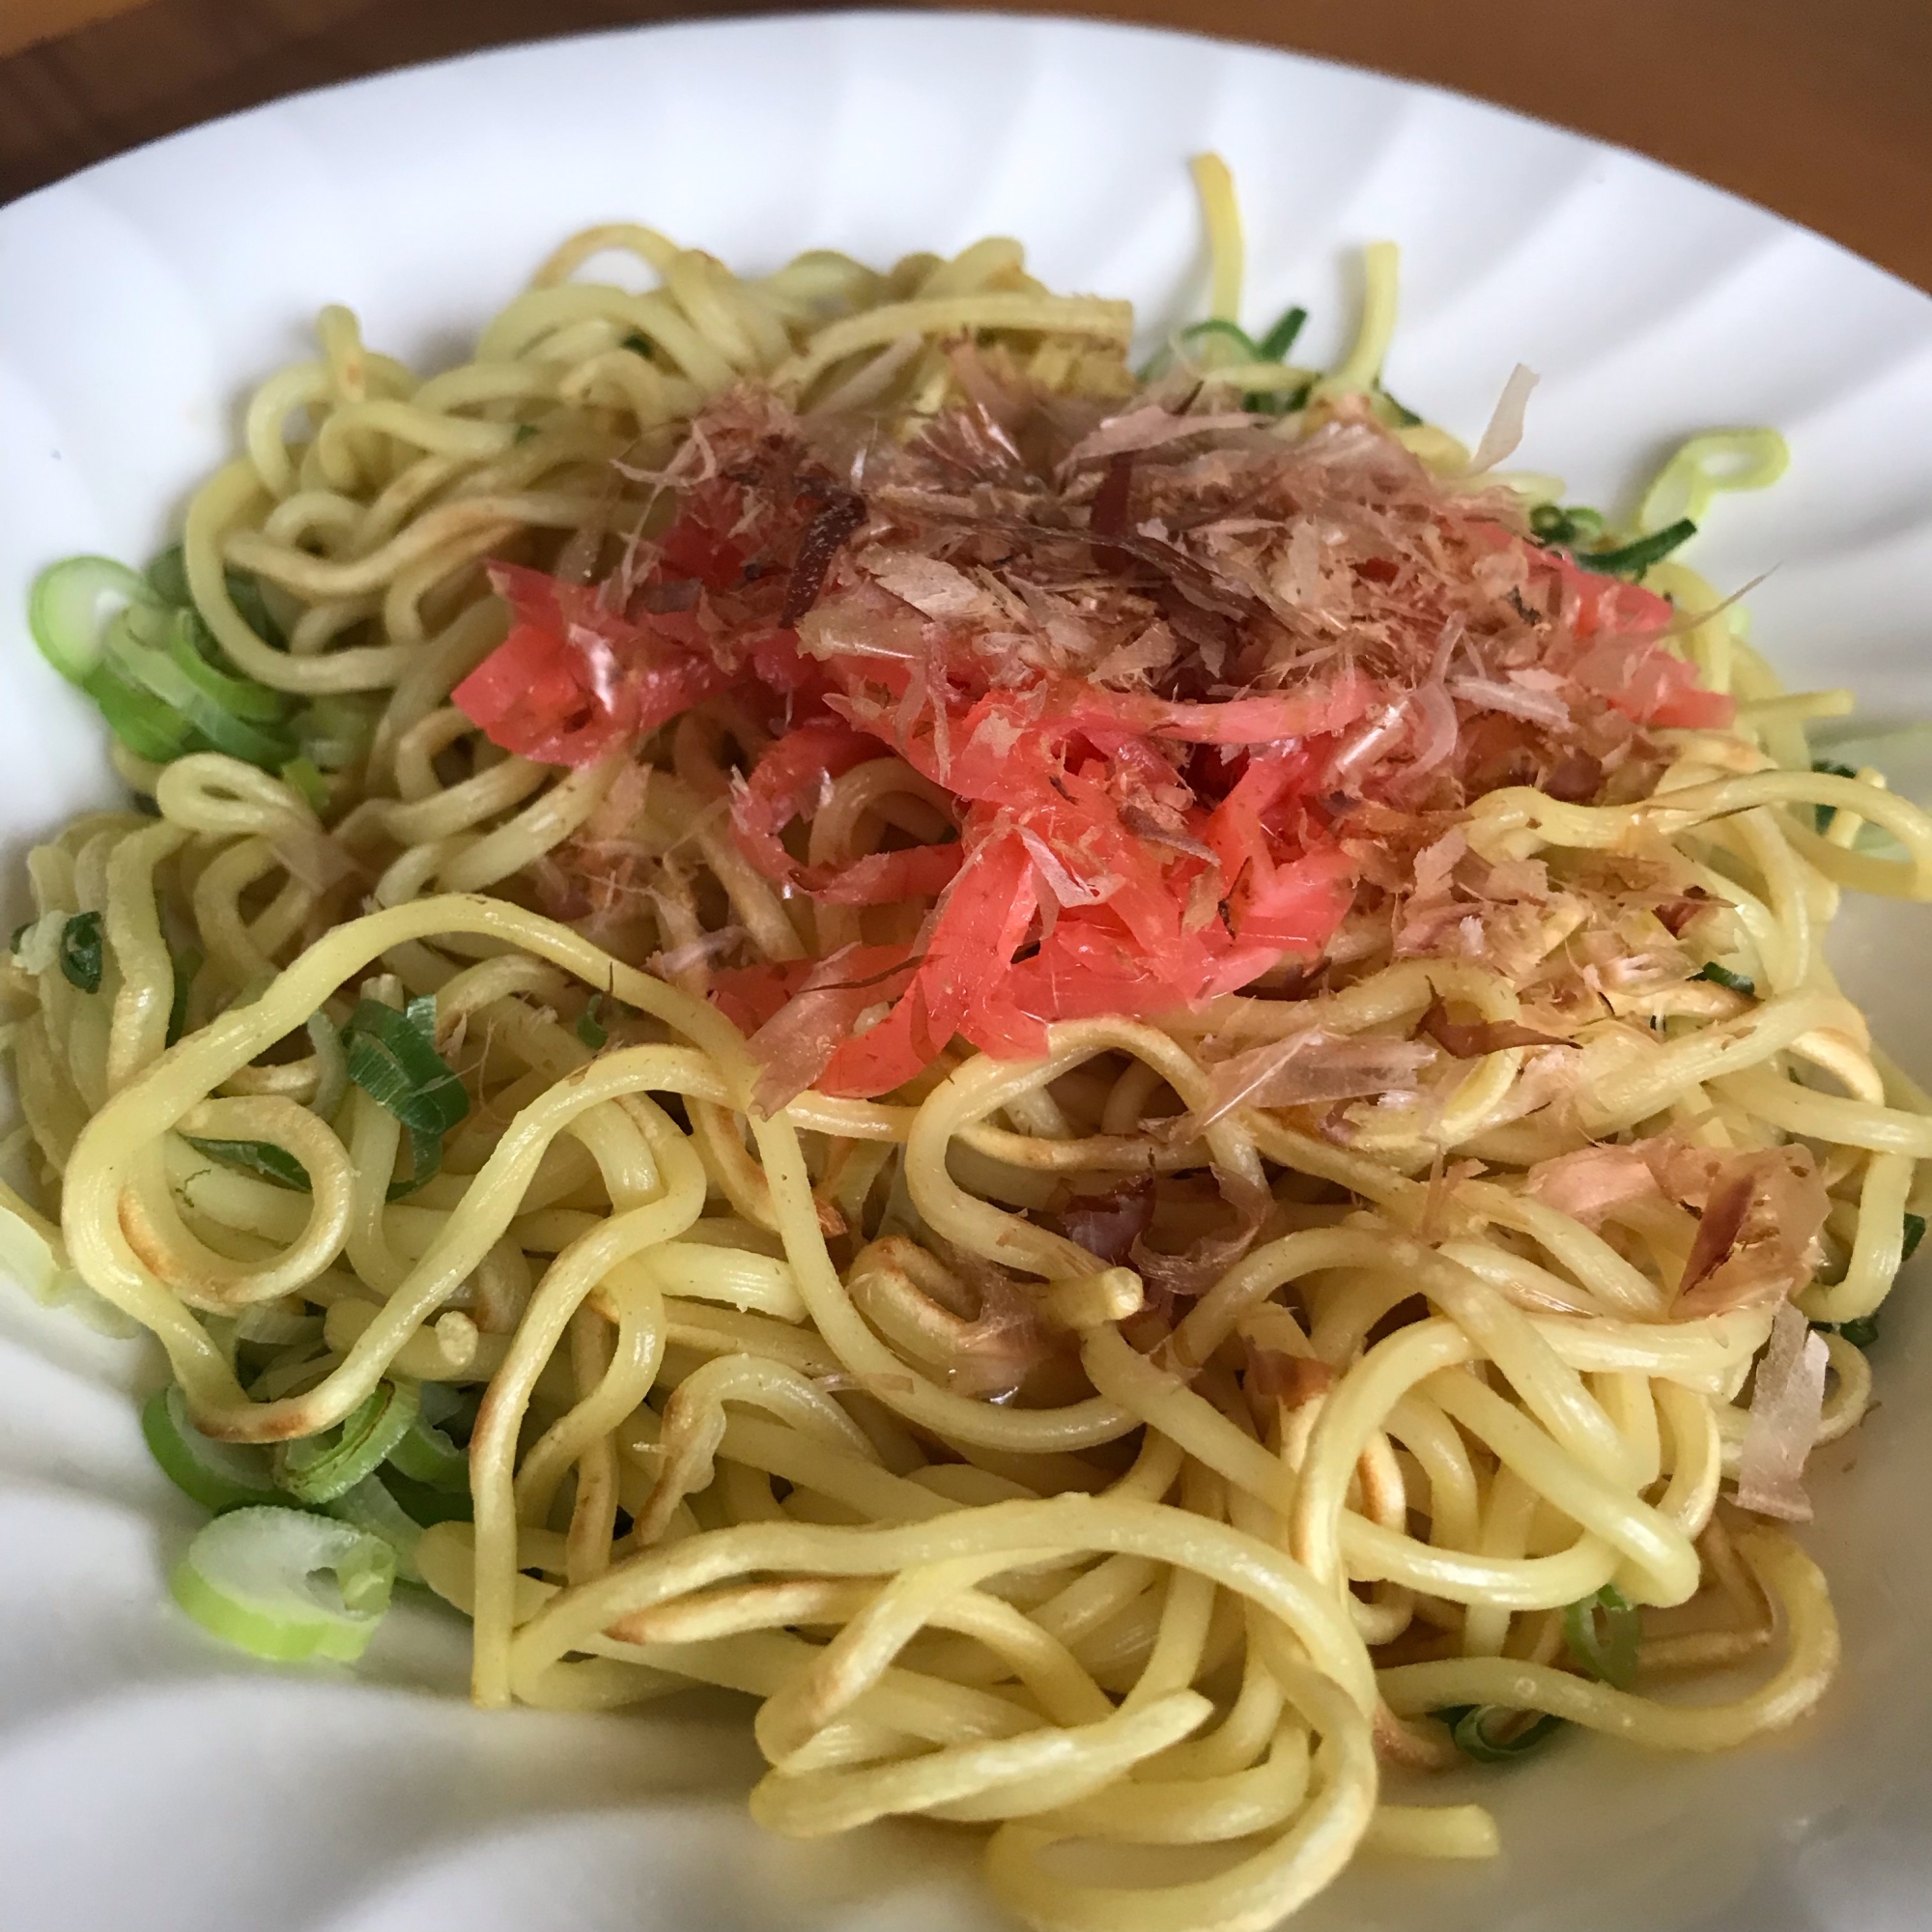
[(1134, 1442)]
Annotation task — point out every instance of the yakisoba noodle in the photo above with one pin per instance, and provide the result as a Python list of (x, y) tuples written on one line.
[(1207, 1558)]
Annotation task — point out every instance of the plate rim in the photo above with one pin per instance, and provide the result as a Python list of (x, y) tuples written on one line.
[(913, 26)]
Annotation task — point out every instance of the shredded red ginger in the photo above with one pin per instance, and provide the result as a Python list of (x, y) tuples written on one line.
[(1157, 664)]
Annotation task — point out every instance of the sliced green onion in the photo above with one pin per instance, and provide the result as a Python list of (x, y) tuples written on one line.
[(1273, 347), (335, 732), (1860, 1331), (333, 1062), (301, 778), (149, 728), (70, 607), (248, 1578), (428, 1472), (318, 1468), (1221, 342), (1914, 1232), (137, 647), (272, 1324), (217, 1475), (167, 576), (1566, 524), (1723, 975), (192, 646), (427, 1456), (372, 1509), (1632, 560), (1604, 1632), (591, 1029), (34, 1256), (440, 1403), (393, 1057), (253, 743), (1278, 401), (261, 1158), (424, 1505), (39, 1265), (174, 671), (1822, 816), (1478, 1733), (244, 592), (1399, 413), (81, 953), (187, 964)]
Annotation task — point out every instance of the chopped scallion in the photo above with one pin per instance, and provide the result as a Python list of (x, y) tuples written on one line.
[(1566, 524), (590, 1029), (1481, 1731), (1822, 816), (81, 951), (427, 1456), (217, 1475), (335, 732), (1399, 413), (73, 604), (424, 1505), (1632, 560), (139, 648), (244, 592), (167, 576), (247, 1578), (1604, 1632), (332, 1079), (393, 1057), (149, 728), (192, 646), (1273, 347), (306, 782), (1914, 1232), (1723, 975), (1278, 401), (1215, 331), (319, 1468), (371, 1508), (261, 1158), (187, 964)]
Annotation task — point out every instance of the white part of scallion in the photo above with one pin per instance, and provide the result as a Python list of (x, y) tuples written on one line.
[(369, 1506), (332, 1079), (72, 605), (31, 1254), (253, 1577)]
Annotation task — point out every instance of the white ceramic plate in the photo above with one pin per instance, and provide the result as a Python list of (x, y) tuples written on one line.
[(149, 1779)]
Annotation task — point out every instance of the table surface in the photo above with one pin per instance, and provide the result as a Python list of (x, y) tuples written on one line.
[(1821, 109)]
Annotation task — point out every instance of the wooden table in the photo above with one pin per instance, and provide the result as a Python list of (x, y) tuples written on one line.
[(1821, 109)]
